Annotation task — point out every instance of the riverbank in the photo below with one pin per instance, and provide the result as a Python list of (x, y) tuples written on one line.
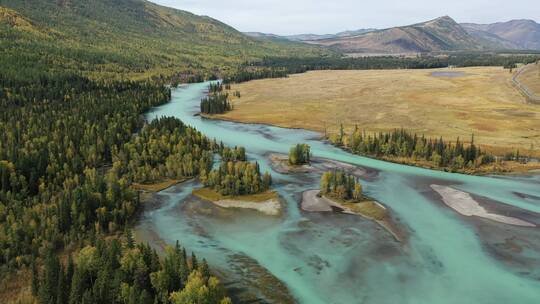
[(367, 208), (500, 168), (159, 186), (267, 202), (245, 280), (280, 163)]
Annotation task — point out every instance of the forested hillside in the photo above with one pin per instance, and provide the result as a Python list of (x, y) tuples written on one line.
[(68, 158), (76, 77), (124, 38)]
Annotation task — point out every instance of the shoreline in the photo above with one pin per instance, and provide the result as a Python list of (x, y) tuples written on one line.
[(240, 290), (321, 137), (159, 186), (267, 203), (311, 202), (464, 204), (279, 163)]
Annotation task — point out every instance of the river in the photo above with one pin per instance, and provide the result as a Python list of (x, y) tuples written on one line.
[(336, 258)]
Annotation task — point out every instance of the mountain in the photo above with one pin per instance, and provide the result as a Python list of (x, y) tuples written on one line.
[(134, 37), (309, 37), (441, 34), (355, 32), (490, 40), (521, 34)]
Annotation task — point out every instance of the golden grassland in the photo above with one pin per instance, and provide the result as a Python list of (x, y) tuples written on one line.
[(531, 78), (213, 196), (483, 102), (368, 208), (158, 186)]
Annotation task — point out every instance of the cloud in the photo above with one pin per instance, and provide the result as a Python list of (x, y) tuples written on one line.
[(310, 16)]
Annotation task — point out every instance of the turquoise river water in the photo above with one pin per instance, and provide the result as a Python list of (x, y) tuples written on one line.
[(336, 258)]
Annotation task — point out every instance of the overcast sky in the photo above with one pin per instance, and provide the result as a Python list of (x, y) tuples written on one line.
[(323, 17)]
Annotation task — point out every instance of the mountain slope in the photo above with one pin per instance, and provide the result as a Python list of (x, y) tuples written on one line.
[(523, 34), (441, 34), (126, 36)]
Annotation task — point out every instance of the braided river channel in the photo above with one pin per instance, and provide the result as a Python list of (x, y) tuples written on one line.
[(303, 257)]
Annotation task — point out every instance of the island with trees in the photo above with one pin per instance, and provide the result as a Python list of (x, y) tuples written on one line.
[(297, 161), (344, 189), (217, 101), (300, 155), (343, 192), (239, 184)]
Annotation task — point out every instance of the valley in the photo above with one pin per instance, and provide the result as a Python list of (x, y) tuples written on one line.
[(311, 253), (151, 154)]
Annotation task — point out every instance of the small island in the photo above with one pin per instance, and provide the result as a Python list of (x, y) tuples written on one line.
[(340, 191), (217, 101), (240, 184), (298, 160)]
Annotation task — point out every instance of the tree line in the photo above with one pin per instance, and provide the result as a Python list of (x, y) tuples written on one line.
[(113, 272), (279, 67), (217, 101), (401, 143), (340, 185)]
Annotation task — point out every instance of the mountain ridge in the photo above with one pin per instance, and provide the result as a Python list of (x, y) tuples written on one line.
[(521, 33), (129, 37), (490, 37), (440, 34)]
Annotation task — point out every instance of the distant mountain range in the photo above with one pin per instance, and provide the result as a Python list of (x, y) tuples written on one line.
[(308, 37), (516, 34), (441, 34)]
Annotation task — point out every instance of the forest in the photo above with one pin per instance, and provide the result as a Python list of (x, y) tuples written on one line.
[(232, 154), (70, 149), (165, 148), (236, 178), (217, 101), (341, 185), (116, 272), (300, 155), (53, 190), (401, 143)]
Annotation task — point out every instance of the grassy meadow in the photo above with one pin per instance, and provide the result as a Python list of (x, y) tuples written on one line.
[(531, 78), (481, 101)]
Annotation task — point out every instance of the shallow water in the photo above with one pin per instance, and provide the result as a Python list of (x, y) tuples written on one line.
[(448, 74), (335, 258)]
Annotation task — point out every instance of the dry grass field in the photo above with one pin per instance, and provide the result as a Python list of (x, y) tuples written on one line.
[(531, 78), (481, 101)]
